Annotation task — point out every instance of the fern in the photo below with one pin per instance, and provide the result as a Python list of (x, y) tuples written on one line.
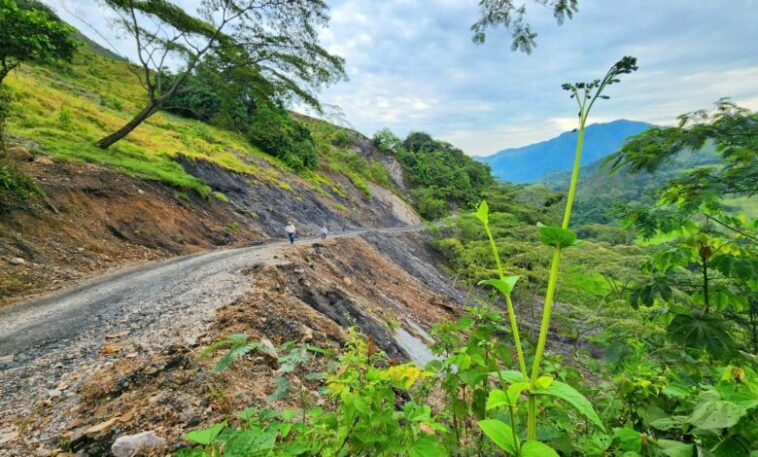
[(238, 347)]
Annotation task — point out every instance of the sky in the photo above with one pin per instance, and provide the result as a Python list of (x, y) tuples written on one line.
[(412, 66)]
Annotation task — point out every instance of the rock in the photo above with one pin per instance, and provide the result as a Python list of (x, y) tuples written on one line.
[(17, 261), (347, 281), (20, 153), (307, 334), (126, 446), (54, 393), (7, 360), (101, 428), (110, 348), (266, 343), (8, 437), (190, 341)]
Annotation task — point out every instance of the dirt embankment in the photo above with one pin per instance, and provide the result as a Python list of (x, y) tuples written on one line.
[(310, 294), (93, 219)]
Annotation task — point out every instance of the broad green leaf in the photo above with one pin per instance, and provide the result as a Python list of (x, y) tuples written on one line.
[(509, 376), (536, 449), (714, 415), (574, 398), (427, 446), (500, 433), (496, 399), (515, 389), (667, 423), (205, 436), (251, 442), (504, 286), (629, 439), (482, 212), (673, 448), (555, 236), (544, 382)]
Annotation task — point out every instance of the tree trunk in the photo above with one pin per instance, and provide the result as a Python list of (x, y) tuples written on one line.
[(114, 137)]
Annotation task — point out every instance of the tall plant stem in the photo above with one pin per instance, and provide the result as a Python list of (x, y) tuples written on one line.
[(551, 284), (509, 304)]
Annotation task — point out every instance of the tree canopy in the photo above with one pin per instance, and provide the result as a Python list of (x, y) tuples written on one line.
[(276, 41), (29, 32)]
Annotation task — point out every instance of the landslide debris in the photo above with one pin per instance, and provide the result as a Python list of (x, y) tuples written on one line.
[(308, 294)]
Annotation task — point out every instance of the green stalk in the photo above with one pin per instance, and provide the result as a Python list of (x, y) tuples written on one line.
[(551, 284), (509, 304)]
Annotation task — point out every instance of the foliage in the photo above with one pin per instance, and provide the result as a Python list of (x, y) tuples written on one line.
[(442, 176), (15, 186), (276, 133), (276, 42), (29, 32), (705, 273), (510, 15)]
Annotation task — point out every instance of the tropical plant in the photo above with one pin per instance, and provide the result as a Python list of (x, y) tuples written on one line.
[(559, 238), (705, 271)]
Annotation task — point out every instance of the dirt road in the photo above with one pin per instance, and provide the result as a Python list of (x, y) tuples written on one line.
[(142, 307)]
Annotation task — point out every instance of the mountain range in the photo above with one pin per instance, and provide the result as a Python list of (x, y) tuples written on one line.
[(530, 163)]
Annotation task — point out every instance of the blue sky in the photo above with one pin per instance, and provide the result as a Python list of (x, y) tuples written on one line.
[(412, 65)]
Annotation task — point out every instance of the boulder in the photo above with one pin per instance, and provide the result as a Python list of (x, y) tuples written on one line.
[(129, 445), (20, 153)]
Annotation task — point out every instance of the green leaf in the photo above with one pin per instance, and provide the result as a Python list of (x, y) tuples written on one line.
[(629, 439), (251, 442), (500, 433), (515, 389), (205, 436), (482, 212), (673, 448), (496, 399), (427, 446), (714, 415), (504, 286), (544, 382), (536, 449), (555, 236), (574, 398), (703, 332), (509, 376)]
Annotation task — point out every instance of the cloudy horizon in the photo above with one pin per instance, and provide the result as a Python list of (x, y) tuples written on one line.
[(414, 67)]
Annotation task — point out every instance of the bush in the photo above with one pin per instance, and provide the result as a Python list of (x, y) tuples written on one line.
[(429, 206), (276, 133)]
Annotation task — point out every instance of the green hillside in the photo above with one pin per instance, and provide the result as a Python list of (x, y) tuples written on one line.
[(65, 109), (599, 190)]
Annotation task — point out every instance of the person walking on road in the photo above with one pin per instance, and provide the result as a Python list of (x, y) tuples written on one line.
[(291, 231), (324, 231)]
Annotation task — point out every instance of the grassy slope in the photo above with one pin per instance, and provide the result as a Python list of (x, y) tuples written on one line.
[(67, 108)]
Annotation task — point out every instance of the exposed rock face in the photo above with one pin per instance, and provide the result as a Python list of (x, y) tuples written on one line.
[(273, 205)]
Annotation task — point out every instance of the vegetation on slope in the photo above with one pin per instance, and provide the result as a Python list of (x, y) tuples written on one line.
[(444, 178)]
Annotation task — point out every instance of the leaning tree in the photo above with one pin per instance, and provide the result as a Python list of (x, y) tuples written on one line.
[(274, 38)]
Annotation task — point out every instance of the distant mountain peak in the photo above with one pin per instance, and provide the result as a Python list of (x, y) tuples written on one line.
[(529, 163)]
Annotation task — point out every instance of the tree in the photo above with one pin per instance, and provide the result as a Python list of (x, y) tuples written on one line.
[(706, 273), (28, 34), (510, 15), (277, 39)]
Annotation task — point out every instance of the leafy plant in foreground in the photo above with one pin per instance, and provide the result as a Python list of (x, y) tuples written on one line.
[(559, 237)]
